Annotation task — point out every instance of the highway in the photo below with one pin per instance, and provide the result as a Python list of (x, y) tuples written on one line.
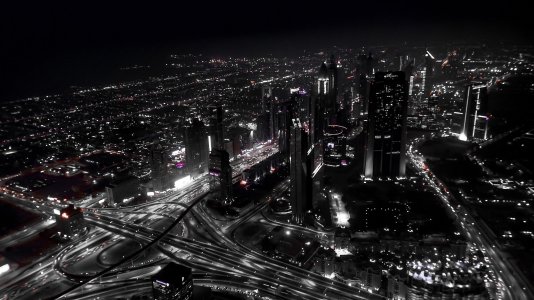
[(253, 264), (242, 260), (218, 254)]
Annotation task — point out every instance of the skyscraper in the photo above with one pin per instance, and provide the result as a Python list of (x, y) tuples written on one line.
[(299, 172), (320, 105), (345, 115), (386, 128), (266, 98), (323, 80), (364, 70), (327, 89), (196, 147), (363, 93), (158, 166), (220, 168), (324, 108), (473, 121), (215, 127), (429, 63), (285, 114), (332, 107), (263, 130), (268, 109), (428, 74), (302, 103), (365, 64), (370, 65), (407, 66)]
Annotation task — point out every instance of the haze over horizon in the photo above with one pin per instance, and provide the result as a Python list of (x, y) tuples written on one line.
[(49, 47)]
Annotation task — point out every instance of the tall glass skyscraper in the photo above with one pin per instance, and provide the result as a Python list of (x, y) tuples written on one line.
[(385, 153), (299, 172), (215, 127), (472, 122)]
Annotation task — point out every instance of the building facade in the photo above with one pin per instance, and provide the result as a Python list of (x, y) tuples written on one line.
[(385, 153)]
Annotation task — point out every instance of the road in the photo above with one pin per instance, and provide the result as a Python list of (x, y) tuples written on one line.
[(252, 264), (268, 276)]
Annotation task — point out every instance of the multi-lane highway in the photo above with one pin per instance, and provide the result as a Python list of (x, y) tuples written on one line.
[(229, 256), (202, 243), (244, 262)]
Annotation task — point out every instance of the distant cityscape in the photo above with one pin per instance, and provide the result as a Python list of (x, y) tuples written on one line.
[(378, 172)]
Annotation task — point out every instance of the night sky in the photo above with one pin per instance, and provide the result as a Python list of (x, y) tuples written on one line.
[(47, 46)]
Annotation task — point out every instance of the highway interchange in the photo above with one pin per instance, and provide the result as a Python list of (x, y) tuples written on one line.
[(199, 241)]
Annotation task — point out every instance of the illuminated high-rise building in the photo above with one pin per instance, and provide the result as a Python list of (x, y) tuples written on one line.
[(266, 98), (323, 111), (285, 114), (428, 74), (332, 105), (219, 167), (473, 121), (318, 118), (386, 128), (299, 172), (327, 89), (429, 63), (346, 112), (302, 106), (364, 70), (196, 147), (363, 93), (268, 109), (173, 282), (323, 84), (215, 127), (407, 65)]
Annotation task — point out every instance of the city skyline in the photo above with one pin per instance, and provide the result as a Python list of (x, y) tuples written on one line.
[(365, 151)]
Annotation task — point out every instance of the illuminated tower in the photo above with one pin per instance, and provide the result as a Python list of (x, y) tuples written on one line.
[(285, 114), (215, 127), (196, 147), (428, 75), (299, 172), (323, 84), (472, 122), (332, 105), (268, 109), (364, 70), (385, 154), (266, 98)]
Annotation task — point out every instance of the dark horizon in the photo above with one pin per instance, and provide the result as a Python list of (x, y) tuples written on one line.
[(48, 48)]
